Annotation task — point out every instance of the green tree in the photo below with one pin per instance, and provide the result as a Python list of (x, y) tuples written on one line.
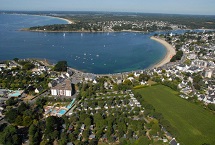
[(87, 121), (144, 77), (28, 66), (11, 102), (11, 115), (53, 124), (34, 134), (10, 136), (61, 66)]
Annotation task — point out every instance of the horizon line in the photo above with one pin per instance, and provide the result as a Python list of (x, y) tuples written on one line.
[(105, 12)]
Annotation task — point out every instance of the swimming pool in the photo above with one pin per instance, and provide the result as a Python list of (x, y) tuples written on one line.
[(14, 93), (62, 111)]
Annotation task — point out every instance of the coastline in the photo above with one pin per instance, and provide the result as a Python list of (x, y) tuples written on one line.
[(68, 21), (169, 54)]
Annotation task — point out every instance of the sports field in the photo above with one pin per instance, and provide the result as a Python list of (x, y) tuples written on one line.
[(193, 123)]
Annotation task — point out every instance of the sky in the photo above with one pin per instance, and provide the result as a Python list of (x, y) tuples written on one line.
[(202, 7)]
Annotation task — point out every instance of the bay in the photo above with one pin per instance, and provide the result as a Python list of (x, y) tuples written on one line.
[(100, 53)]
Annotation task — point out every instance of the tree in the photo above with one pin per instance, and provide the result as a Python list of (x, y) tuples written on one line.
[(86, 134), (27, 120), (61, 66), (93, 142), (16, 59), (211, 107), (10, 136), (143, 140), (63, 139), (144, 77), (178, 56), (52, 127), (28, 66), (11, 102), (87, 121), (11, 115), (22, 107), (34, 134)]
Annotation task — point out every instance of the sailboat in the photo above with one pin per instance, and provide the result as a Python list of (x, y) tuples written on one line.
[(64, 34)]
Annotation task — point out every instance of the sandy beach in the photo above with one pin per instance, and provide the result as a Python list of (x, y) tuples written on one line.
[(68, 21), (170, 52)]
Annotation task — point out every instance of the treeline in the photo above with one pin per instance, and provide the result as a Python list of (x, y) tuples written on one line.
[(79, 26), (178, 56)]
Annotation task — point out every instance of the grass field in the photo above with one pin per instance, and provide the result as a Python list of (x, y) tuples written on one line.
[(194, 125)]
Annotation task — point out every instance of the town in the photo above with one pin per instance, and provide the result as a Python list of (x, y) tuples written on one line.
[(56, 104), (111, 26)]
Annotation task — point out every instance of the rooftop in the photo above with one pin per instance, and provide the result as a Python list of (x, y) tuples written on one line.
[(65, 85)]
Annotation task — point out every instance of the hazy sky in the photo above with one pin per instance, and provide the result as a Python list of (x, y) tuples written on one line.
[(147, 6)]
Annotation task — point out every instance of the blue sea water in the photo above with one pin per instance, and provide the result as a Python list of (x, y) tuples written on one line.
[(99, 53)]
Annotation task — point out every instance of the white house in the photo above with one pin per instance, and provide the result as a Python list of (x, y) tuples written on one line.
[(2, 65)]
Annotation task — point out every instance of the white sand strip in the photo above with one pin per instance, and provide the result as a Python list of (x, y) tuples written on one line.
[(170, 52)]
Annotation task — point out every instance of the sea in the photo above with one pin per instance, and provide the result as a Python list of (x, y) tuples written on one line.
[(99, 53)]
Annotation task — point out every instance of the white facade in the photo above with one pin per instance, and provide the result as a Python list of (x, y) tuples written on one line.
[(208, 73), (55, 92), (62, 89)]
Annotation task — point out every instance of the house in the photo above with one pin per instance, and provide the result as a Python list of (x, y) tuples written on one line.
[(91, 127), (62, 89), (2, 65), (119, 80), (89, 77), (3, 92), (12, 64), (52, 83), (38, 90), (42, 68), (136, 74), (173, 142), (92, 136), (131, 79), (82, 126), (69, 73), (94, 81), (208, 73)]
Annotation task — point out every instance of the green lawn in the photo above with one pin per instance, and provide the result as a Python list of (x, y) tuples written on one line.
[(194, 125)]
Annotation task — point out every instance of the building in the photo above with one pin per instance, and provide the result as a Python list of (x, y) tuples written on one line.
[(208, 73), (62, 89), (2, 65)]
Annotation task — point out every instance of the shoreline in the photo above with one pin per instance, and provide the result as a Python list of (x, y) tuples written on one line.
[(57, 17), (68, 21), (85, 31), (169, 54)]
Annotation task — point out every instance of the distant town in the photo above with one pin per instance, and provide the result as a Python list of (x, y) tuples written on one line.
[(47, 104), (113, 22)]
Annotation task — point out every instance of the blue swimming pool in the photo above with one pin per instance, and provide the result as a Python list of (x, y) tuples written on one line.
[(15, 94), (62, 111)]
